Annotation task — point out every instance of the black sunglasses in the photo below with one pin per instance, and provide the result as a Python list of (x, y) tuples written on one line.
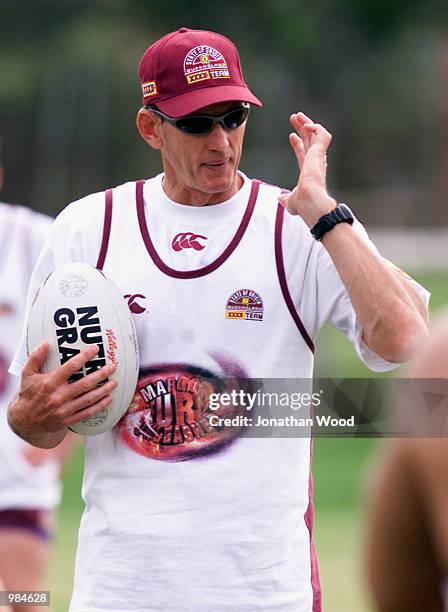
[(203, 124)]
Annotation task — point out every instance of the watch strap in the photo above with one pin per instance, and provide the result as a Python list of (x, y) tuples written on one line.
[(341, 214)]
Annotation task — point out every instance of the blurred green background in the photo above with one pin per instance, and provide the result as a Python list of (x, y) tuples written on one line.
[(375, 73)]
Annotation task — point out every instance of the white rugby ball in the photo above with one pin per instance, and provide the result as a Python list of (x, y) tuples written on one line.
[(78, 306)]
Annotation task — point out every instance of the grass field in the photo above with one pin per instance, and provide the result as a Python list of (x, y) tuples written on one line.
[(339, 467)]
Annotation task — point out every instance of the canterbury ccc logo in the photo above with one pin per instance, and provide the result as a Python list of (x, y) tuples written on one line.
[(188, 240), (134, 306)]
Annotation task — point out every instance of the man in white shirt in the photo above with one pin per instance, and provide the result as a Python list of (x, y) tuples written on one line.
[(29, 476), (224, 279)]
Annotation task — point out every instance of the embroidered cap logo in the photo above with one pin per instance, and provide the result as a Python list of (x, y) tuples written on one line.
[(204, 62)]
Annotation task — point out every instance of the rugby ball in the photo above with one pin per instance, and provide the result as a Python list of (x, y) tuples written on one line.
[(75, 307)]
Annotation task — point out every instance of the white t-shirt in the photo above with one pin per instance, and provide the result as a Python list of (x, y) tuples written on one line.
[(22, 234), (198, 522)]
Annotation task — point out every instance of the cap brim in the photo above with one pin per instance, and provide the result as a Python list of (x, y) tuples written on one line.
[(192, 101)]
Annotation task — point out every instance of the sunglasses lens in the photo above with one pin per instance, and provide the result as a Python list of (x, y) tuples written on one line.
[(195, 124), (201, 124), (236, 118)]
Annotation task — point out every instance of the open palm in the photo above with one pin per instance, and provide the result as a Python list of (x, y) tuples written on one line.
[(309, 198)]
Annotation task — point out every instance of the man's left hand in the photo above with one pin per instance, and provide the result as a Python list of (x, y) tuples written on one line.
[(309, 198)]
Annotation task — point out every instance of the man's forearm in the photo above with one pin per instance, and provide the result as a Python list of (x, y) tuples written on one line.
[(389, 309), (45, 440), (408, 285)]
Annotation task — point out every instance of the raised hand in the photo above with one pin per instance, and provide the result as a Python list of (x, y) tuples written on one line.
[(309, 198)]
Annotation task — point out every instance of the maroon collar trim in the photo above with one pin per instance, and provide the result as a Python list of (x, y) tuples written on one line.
[(211, 267), (106, 229)]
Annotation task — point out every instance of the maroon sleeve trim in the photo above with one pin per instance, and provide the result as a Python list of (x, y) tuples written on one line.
[(309, 522), (282, 277), (106, 229)]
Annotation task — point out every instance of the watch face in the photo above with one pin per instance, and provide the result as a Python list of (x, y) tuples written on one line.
[(347, 213)]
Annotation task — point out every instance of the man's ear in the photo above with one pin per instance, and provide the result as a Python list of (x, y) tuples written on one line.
[(149, 126)]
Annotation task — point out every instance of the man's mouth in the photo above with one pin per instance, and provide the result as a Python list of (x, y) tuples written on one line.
[(216, 164)]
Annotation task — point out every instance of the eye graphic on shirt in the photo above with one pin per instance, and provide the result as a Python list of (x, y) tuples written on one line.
[(188, 240), (169, 416)]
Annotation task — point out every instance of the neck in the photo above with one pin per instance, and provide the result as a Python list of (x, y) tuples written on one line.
[(193, 197)]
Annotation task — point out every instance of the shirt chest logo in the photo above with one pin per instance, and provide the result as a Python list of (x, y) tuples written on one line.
[(188, 240), (134, 302), (245, 305)]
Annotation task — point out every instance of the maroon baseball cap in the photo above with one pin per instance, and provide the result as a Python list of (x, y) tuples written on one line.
[(189, 69)]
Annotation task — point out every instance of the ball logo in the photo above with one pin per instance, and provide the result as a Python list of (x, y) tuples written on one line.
[(80, 325), (134, 306), (97, 419), (188, 240), (246, 305), (112, 346), (204, 62), (73, 285)]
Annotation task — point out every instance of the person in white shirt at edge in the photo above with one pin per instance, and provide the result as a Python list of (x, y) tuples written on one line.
[(223, 277), (29, 476)]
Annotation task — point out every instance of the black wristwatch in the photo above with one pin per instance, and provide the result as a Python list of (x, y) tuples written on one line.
[(341, 214)]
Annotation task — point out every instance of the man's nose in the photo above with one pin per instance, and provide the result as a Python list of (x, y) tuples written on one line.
[(218, 138)]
